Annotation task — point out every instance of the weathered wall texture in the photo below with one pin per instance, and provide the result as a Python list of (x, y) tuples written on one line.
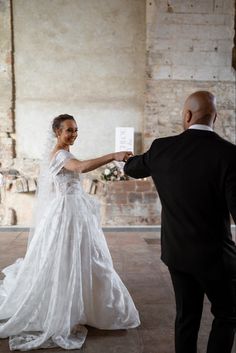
[(6, 85), (132, 202), (86, 58), (189, 48)]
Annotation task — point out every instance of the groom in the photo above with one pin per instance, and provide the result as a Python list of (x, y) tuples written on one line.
[(195, 175)]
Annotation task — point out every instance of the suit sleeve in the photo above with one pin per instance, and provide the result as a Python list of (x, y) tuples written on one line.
[(231, 189), (139, 166)]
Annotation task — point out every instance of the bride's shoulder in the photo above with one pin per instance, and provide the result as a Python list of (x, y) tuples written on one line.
[(58, 160), (59, 155)]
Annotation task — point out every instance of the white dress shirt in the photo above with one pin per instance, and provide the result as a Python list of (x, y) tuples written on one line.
[(201, 127)]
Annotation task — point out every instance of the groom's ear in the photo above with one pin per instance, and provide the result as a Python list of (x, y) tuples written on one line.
[(188, 116)]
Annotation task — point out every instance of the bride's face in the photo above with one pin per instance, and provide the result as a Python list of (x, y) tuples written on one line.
[(68, 132)]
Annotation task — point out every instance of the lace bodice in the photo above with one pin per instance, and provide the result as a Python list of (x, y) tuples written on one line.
[(65, 182)]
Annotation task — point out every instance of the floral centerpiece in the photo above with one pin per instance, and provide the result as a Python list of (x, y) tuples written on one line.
[(113, 172)]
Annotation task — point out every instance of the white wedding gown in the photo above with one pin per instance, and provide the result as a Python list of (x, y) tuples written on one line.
[(66, 279)]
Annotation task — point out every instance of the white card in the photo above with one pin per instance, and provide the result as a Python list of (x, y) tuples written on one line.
[(124, 139)]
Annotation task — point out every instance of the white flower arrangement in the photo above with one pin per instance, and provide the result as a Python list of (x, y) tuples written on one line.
[(113, 173)]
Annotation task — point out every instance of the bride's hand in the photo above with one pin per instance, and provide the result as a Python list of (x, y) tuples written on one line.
[(122, 156)]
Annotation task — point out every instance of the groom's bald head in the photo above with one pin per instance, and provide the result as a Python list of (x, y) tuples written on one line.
[(199, 108)]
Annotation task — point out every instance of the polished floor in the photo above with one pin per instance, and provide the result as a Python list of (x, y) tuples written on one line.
[(136, 258)]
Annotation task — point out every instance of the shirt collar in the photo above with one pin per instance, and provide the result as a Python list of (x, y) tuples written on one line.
[(201, 127)]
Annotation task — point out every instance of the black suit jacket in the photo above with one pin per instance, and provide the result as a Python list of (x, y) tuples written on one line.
[(195, 176)]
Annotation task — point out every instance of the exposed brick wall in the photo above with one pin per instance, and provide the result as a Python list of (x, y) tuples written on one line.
[(129, 202), (189, 48), (234, 48), (164, 107), (6, 85)]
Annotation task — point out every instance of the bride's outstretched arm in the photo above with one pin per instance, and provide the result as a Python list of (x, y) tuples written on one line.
[(91, 164)]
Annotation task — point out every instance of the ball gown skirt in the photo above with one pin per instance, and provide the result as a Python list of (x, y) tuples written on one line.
[(66, 279)]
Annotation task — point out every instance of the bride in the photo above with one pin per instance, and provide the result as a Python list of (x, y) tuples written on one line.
[(67, 279)]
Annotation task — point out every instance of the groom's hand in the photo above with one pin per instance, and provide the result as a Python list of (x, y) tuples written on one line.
[(122, 156)]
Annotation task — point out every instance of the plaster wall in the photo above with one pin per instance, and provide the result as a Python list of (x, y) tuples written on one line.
[(85, 58)]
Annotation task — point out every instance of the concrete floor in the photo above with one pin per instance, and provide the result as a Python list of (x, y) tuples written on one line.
[(136, 258)]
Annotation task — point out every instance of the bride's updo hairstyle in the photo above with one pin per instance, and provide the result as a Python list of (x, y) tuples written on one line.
[(56, 124)]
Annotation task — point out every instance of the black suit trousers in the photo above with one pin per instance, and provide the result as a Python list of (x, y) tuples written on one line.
[(189, 294)]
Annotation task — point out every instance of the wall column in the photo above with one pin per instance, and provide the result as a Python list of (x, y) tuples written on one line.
[(6, 85)]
